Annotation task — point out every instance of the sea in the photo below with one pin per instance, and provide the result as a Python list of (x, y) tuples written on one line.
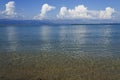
[(60, 52), (98, 40)]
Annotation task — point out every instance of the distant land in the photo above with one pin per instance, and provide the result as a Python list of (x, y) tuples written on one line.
[(5, 22)]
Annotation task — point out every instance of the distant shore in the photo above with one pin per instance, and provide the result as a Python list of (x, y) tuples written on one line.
[(4, 22)]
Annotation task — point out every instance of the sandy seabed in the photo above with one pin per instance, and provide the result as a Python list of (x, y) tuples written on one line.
[(52, 66)]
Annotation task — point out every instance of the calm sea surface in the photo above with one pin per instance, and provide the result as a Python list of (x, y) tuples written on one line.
[(75, 40)]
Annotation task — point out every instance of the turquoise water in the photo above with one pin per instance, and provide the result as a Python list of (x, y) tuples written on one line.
[(75, 40)]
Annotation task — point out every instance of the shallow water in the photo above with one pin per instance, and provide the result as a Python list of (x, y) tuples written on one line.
[(62, 52), (95, 40)]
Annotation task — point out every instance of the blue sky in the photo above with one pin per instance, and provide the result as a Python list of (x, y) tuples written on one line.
[(63, 9)]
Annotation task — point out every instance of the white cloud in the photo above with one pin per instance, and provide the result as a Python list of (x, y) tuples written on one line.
[(107, 13), (79, 11), (10, 10), (82, 12), (43, 14)]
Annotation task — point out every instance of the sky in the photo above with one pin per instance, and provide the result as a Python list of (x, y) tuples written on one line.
[(60, 9)]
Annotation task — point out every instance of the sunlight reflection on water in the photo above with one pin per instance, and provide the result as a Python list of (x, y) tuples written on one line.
[(70, 39)]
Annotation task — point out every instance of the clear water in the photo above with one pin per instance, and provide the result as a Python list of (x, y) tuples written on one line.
[(75, 40)]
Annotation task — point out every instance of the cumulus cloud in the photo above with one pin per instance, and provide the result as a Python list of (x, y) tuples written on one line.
[(43, 14), (79, 11), (107, 13), (82, 12), (10, 9)]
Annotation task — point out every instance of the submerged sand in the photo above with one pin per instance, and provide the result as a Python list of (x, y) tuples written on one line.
[(51, 66)]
